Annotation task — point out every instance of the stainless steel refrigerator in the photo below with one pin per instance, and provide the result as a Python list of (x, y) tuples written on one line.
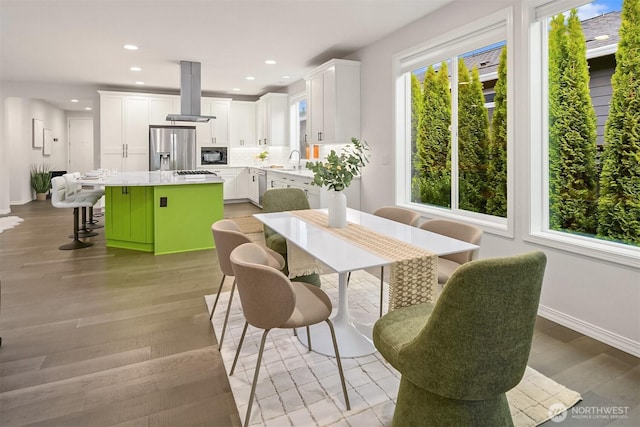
[(172, 148)]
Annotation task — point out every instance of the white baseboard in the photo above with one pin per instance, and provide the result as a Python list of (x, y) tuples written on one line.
[(5, 211), (595, 332)]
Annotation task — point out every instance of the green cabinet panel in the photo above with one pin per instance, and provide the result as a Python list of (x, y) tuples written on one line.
[(129, 217), (183, 215)]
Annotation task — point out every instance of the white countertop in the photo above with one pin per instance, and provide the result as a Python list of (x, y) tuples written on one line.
[(142, 179)]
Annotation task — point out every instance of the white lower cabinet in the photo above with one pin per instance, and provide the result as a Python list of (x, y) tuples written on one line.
[(242, 183), (253, 184), (236, 185)]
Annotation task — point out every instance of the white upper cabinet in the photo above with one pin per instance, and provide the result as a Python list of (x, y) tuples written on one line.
[(272, 119), (124, 132), (160, 106), (242, 131), (333, 102), (215, 131)]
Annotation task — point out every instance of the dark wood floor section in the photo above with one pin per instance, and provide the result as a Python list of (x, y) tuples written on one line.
[(108, 337)]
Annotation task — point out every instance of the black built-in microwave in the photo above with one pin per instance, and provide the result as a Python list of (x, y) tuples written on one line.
[(213, 156)]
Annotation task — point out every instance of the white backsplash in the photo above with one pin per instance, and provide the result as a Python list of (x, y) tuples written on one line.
[(248, 156)]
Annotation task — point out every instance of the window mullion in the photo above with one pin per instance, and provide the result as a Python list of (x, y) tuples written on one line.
[(454, 134)]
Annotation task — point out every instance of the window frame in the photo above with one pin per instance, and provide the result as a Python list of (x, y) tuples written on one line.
[(539, 232), (483, 32)]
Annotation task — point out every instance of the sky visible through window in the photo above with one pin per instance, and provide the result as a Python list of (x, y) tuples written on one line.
[(598, 7)]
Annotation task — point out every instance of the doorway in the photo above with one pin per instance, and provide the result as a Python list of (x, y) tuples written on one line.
[(80, 144)]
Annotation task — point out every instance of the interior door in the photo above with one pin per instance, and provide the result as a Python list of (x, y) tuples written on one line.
[(80, 144)]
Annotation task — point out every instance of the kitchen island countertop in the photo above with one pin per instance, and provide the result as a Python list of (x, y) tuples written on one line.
[(154, 178)]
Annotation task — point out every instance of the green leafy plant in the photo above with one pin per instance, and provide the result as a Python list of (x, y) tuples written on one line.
[(338, 171), (263, 156), (40, 178)]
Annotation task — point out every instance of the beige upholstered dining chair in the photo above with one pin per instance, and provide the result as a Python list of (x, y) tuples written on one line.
[(227, 236), (447, 264), (394, 213), (270, 300), (402, 215)]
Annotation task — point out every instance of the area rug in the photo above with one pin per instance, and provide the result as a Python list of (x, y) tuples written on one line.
[(248, 224), (7, 222), (301, 388)]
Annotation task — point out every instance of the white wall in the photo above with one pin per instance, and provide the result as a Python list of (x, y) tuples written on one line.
[(600, 299), (20, 152)]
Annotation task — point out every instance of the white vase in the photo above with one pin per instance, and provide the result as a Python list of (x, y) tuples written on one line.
[(337, 205)]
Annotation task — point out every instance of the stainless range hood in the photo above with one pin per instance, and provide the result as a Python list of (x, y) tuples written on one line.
[(189, 95)]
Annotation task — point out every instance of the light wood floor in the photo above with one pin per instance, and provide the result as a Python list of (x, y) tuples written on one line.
[(107, 337)]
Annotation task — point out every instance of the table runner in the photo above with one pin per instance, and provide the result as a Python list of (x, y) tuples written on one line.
[(414, 271)]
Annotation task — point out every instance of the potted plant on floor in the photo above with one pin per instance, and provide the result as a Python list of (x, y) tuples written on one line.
[(337, 172), (41, 180)]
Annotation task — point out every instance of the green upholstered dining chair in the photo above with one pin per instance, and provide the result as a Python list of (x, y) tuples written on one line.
[(279, 200), (459, 356)]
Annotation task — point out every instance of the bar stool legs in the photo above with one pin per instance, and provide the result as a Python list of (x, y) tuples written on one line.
[(76, 243)]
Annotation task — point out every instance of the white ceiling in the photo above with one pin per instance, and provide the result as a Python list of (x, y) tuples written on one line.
[(79, 43)]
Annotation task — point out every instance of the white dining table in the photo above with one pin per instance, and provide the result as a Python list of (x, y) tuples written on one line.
[(343, 256)]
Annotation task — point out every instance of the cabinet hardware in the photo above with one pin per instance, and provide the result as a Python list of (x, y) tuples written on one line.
[(305, 137), (122, 150), (319, 136), (265, 141)]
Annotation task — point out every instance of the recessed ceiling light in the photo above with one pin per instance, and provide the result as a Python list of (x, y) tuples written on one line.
[(135, 69), (602, 37), (286, 77), (139, 83), (74, 100), (250, 78), (270, 62), (87, 108), (236, 89), (130, 47)]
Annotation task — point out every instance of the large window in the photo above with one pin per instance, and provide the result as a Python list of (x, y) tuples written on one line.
[(590, 189), (453, 97), (298, 124)]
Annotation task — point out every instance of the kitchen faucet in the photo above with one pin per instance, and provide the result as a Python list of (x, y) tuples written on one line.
[(291, 155)]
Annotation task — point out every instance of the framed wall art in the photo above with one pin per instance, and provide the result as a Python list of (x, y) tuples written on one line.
[(38, 134), (47, 141)]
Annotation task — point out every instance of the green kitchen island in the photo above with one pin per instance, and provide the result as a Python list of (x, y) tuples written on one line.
[(159, 211)]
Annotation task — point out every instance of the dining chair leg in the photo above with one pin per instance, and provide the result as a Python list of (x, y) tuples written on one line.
[(255, 378), (381, 287), (339, 362), (235, 359), (308, 338), (215, 303), (226, 316)]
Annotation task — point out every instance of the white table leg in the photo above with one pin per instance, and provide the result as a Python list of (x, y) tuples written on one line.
[(354, 338)]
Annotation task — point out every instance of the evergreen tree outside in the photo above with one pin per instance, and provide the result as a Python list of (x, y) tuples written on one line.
[(497, 163), (619, 202), (473, 132), (572, 145), (416, 114), (433, 140)]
